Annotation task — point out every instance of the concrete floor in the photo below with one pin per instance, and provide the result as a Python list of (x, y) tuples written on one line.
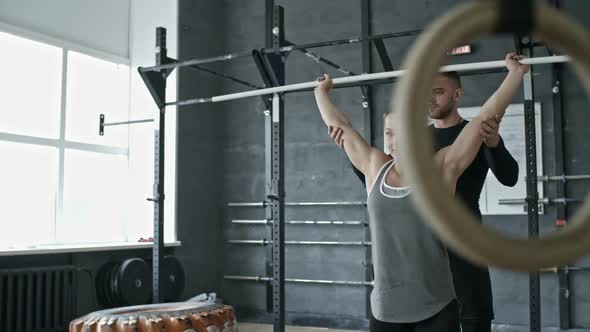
[(249, 327)]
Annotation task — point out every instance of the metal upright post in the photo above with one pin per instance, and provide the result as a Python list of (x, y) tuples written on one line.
[(275, 172), (159, 139), (367, 134), (560, 187), (531, 185)]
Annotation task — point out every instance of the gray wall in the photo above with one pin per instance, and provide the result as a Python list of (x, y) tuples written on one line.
[(317, 171)]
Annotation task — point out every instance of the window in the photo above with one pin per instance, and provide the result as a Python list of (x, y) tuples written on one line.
[(496, 198), (96, 87), (30, 87), (63, 183), (29, 193)]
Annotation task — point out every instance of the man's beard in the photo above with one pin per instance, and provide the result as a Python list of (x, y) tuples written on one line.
[(441, 112)]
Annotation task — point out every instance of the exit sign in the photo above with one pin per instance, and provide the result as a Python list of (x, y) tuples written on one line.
[(466, 49)]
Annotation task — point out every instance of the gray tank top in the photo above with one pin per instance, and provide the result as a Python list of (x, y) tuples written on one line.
[(413, 278)]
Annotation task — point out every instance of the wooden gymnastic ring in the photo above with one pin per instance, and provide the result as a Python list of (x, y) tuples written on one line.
[(453, 223)]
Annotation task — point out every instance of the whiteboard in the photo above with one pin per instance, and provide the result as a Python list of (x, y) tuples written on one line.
[(512, 131)]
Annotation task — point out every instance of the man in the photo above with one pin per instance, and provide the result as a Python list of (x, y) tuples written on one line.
[(472, 283)]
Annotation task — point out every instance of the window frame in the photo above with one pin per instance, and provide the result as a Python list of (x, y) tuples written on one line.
[(61, 144)]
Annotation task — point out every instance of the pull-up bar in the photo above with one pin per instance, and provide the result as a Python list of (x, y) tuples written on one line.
[(102, 124), (365, 77), (289, 48)]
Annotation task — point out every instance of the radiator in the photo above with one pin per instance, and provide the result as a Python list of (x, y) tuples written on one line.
[(37, 299)]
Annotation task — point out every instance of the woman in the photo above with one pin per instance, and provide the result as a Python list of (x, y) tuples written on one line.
[(413, 289)]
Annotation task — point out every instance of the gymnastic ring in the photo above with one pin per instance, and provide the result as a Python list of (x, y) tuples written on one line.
[(453, 223), (168, 317)]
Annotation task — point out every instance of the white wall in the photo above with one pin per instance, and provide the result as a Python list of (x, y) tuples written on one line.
[(102, 25)]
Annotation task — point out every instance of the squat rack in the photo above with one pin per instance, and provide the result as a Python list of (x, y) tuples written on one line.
[(271, 66)]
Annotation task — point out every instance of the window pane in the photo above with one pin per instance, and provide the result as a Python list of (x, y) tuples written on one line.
[(96, 87), (170, 149), (170, 178), (30, 87), (141, 163), (96, 198), (28, 174)]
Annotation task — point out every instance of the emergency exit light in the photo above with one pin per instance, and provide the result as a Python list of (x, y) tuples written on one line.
[(466, 49)]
